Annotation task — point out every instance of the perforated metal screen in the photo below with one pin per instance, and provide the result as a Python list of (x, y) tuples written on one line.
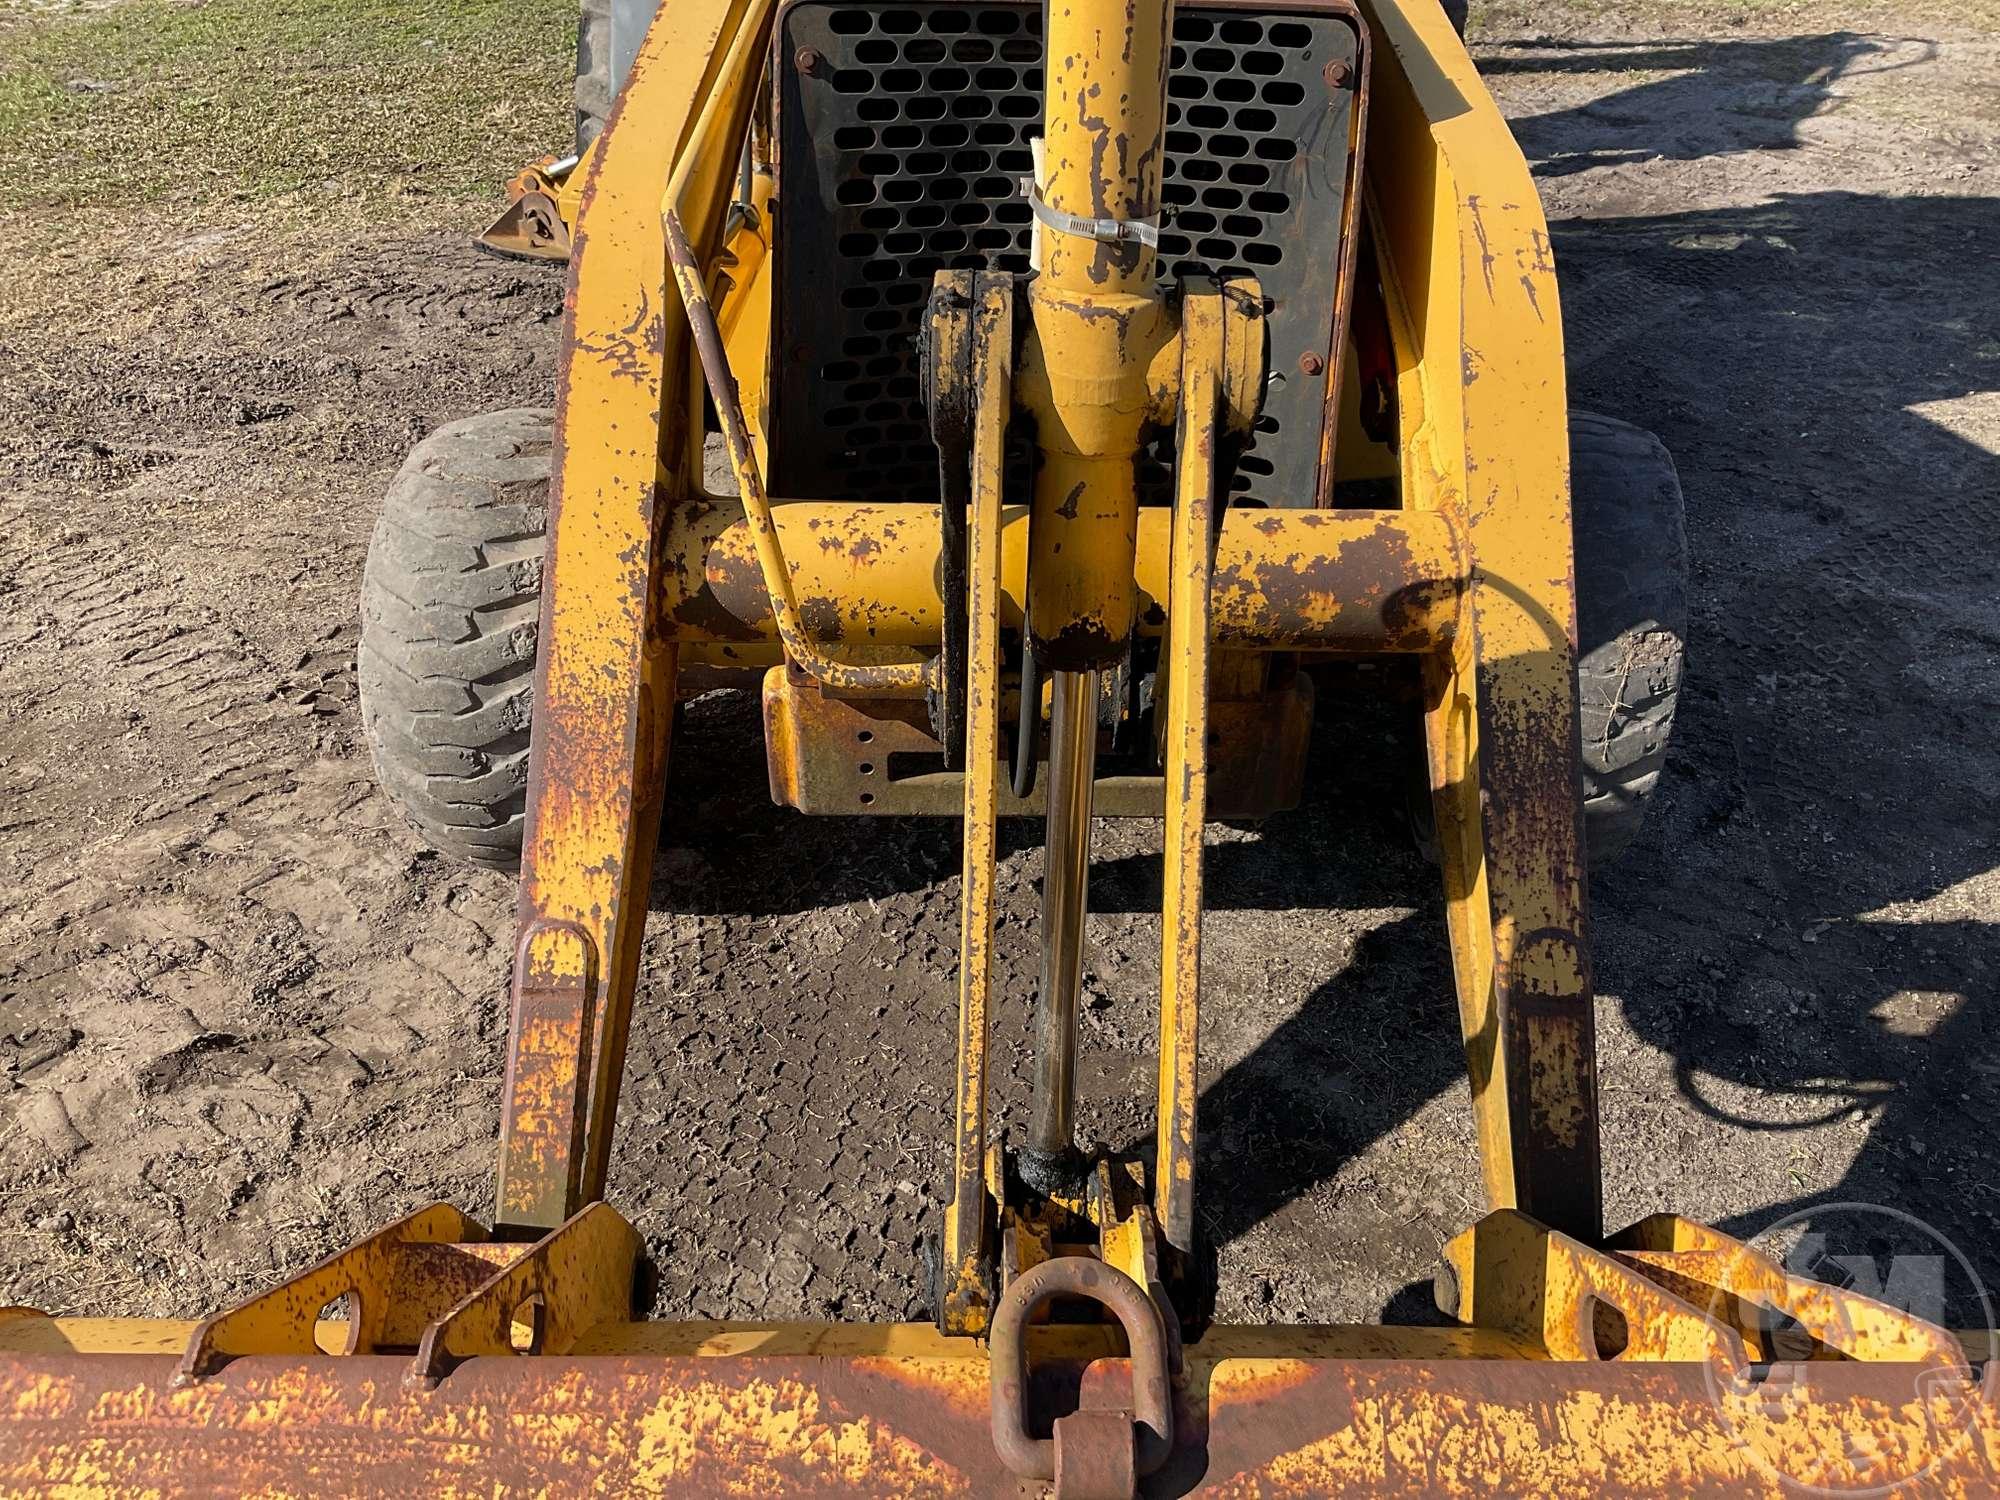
[(903, 132)]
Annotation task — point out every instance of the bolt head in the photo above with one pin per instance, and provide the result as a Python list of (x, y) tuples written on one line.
[(1336, 74), (806, 59), (1310, 363)]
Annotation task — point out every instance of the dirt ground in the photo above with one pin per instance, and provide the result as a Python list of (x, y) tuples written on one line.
[(245, 1017)]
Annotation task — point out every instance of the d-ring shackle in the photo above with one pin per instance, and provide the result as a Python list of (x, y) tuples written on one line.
[(1145, 1331)]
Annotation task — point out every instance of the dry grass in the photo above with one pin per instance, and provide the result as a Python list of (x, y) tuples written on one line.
[(1725, 18)]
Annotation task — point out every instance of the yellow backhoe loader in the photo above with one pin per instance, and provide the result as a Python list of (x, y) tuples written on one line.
[(1088, 375)]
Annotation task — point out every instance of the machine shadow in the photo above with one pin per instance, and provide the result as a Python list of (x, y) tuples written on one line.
[(1815, 934), (1718, 98), (1803, 924), (718, 801), (1345, 846)]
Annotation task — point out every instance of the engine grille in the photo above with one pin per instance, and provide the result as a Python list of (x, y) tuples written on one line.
[(902, 134)]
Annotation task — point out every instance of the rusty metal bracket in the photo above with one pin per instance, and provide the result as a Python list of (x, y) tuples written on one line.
[(872, 756), (1510, 1273), (1088, 1454), (1128, 1238), (577, 1278), (282, 1320), (531, 227), (1710, 1269)]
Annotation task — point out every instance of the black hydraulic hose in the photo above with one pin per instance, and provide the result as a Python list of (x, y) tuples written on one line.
[(1028, 724)]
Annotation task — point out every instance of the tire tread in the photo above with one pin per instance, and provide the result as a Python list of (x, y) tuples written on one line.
[(450, 614), (1631, 587)]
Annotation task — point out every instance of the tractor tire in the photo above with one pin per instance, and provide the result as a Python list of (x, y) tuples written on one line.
[(1630, 540), (451, 603), (1631, 607), (594, 91)]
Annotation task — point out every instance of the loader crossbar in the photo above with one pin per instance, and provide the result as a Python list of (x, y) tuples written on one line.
[(699, 1409)]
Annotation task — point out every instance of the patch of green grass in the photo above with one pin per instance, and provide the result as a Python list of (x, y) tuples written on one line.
[(216, 100)]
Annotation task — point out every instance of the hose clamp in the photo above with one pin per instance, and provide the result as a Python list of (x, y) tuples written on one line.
[(1104, 231)]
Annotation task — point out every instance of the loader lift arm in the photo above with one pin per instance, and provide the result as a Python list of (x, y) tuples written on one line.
[(509, 1356)]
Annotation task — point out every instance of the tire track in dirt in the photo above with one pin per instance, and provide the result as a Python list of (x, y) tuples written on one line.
[(200, 995), (401, 283), (198, 683), (244, 1017)]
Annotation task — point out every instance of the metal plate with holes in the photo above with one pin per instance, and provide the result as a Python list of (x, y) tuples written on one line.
[(902, 133), (829, 754)]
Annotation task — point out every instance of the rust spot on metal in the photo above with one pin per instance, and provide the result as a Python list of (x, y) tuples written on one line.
[(821, 615), (683, 1425), (1082, 641), (1534, 301), (1557, 1072), (628, 353), (1486, 256), (548, 1064), (1370, 583)]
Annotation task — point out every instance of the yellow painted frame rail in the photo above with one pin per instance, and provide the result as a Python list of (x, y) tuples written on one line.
[(1483, 407)]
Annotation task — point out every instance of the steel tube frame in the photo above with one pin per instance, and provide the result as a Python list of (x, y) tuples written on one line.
[(1312, 580)]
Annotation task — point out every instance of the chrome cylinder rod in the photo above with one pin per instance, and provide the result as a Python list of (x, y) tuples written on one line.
[(1065, 883)]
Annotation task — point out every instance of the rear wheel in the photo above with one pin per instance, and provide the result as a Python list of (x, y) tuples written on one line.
[(1631, 626), (594, 91), (1631, 618), (450, 610)]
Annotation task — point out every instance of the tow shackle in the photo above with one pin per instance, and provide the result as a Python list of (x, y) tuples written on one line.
[(1093, 1452)]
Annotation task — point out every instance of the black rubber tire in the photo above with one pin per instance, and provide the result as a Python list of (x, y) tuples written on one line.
[(1631, 608), (1456, 12), (1631, 603), (451, 603), (593, 71)]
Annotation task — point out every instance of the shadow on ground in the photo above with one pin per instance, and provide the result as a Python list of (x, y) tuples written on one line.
[(1676, 113), (1831, 769)]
